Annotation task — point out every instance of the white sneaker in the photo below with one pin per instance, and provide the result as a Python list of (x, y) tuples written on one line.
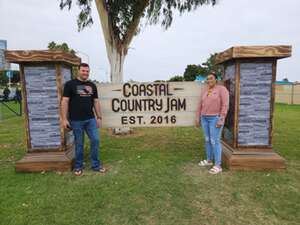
[(205, 163)]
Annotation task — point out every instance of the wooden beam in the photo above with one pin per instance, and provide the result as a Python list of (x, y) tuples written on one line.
[(59, 95), (25, 107), (42, 56), (236, 103), (272, 101), (46, 161), (247, 52)]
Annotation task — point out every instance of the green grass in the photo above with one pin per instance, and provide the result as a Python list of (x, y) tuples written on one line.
[(6, 113), (153, 179)]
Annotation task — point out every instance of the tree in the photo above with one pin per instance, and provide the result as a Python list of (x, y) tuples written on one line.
[(191, 71), (204, 69), (177, 78), (211, 66), (63, 47), (122, 19), (4, 78)]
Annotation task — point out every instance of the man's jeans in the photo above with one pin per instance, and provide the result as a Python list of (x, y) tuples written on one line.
[(212, 138), (90, 127)]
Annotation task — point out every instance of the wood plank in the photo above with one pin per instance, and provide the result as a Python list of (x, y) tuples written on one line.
[(251, 160), (59, 96), (20, 56), (272, 101), (25, 107), (246, 52), (46, 161), (151, 107)]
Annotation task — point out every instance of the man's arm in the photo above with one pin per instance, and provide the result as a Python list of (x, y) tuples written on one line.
[(65, 109), (97, 111)]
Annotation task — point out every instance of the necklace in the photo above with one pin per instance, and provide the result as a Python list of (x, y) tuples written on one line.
[(209, 92)]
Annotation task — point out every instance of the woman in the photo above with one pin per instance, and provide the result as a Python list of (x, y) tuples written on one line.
[(211, 112)]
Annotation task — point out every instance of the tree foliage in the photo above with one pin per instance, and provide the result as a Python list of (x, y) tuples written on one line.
[(63, 47), (176, 78), (191, 71), (122, 19), (4, 78), (123, 13)]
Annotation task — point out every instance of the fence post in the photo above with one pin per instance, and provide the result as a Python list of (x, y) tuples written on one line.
[(293, 92)]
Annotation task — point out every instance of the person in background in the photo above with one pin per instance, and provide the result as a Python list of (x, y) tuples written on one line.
[(6, 93), (18, 95), (211, 113), (80, 105)]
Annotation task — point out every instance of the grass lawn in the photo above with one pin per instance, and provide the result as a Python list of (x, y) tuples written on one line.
[(153, 178), (5, 112)]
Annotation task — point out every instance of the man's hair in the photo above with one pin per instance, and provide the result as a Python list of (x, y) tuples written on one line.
[(83, 65)]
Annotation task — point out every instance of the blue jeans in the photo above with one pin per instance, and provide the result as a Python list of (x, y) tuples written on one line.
[(212, 138), (90, 127)]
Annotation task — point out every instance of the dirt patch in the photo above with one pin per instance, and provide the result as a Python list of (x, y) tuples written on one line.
[(132, 133)]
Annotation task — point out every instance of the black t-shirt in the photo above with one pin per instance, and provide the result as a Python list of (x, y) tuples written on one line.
[(82, 95)]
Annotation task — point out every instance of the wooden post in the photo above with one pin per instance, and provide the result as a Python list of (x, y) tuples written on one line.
[(250, 75), (293, 94), (43, 74)]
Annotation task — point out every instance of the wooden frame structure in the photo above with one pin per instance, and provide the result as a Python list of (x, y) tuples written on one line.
[(250, 74), (43, 73)]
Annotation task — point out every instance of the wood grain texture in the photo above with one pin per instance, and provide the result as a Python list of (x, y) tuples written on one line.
[(251, 160), (41, 56), (272, 101), (59, 96), (230, 83), (25, 107), (46, 161), (247, 52), (188, 92)]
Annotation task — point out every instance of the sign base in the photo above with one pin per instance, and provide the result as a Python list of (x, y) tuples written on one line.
[(254, 159), (46, 161)]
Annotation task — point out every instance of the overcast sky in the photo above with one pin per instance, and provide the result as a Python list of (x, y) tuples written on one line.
[(155, 53)]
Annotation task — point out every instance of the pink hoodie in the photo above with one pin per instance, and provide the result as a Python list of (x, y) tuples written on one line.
[(216, 104)]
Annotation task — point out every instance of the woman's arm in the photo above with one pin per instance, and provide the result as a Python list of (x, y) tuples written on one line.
[(224, 94)]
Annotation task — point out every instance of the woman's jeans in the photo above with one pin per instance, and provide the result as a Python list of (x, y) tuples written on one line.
[(212, 138), (90, 127)]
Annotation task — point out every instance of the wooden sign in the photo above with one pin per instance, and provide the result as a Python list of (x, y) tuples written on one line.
[(161, 104)]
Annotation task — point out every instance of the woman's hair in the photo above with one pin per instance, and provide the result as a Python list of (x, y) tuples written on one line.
[(214, 74)]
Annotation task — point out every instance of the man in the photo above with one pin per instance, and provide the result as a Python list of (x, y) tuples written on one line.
[(80, 104)]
